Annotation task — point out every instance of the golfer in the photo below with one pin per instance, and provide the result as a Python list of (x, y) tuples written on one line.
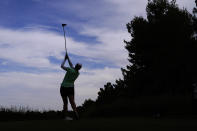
[(67, 86)]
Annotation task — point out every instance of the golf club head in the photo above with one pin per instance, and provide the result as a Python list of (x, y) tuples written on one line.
[(64, 25)]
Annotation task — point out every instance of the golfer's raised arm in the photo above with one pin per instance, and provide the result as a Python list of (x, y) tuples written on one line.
[(63, 63), (69, 61)]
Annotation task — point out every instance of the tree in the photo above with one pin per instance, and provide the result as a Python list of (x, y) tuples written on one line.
[(106, 95), (160, 51)]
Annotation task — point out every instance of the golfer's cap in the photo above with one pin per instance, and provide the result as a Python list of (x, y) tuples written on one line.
[(79, 64)]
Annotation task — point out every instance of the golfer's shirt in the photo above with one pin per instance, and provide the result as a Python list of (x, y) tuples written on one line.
[(70, 77)]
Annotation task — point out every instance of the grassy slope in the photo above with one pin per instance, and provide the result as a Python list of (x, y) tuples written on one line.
[(102, 124)]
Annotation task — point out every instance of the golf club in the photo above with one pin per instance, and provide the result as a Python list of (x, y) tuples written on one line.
[(64, 35)]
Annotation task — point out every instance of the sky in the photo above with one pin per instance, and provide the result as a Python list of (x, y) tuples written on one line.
[(32, 47)]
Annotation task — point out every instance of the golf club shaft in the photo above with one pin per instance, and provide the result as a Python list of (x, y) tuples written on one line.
[(65, 38)]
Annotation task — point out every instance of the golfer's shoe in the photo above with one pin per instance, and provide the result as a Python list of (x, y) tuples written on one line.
[(68, 118)]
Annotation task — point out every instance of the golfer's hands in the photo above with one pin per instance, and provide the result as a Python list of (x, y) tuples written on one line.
[(66, 56)]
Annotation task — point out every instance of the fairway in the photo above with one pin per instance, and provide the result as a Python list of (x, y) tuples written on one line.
[(104, 124)]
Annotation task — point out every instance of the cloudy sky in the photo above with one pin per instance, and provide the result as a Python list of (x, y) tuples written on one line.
[(32, 47)]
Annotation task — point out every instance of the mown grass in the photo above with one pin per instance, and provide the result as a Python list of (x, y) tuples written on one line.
[(105, 124)]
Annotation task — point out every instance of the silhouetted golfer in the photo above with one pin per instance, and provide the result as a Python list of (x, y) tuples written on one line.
[(67, 86)]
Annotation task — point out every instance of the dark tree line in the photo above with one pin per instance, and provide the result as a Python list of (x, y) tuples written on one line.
[(162, 55), (162, 51)]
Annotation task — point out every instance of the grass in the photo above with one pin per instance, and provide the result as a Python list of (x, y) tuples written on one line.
[(104, 124)]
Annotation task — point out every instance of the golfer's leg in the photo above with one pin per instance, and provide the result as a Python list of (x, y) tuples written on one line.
[(72, 102), (65, 105), (73, 105)]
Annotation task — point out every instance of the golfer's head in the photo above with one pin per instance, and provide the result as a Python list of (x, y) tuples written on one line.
[(78, 66)]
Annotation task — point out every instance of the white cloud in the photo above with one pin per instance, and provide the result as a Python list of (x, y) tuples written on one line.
[(29, 48), (111, 45), (188, 4), (32, 48)]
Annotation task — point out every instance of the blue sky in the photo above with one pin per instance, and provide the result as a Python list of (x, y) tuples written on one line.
[(32, 47)]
